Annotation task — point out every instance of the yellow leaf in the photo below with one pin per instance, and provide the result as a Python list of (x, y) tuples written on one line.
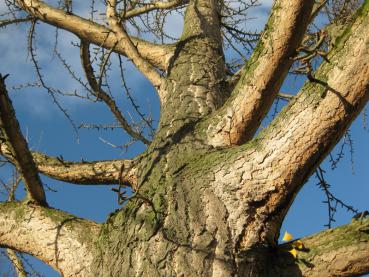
[(287, 236), (298, 244), (293, 252)]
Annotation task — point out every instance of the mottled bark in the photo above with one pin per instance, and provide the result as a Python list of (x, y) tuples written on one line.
[(61, 240), (339, 252), (263, 74), (11, 134)]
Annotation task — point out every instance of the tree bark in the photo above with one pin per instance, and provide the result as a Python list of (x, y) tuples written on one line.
[(63, 241), (337, 252)]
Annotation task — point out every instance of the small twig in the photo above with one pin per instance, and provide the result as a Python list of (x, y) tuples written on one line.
[(332, 201)]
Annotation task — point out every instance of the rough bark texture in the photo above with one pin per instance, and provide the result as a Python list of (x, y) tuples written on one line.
[(55, 237), (338, 252), (203, 206), (259, 85), (84, 172)]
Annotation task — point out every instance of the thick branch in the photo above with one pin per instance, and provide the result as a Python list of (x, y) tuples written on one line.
[(159, 5), (264, 175), (129, 47), (101, 94), (340, 252), (315, 120), (97, 172), (158, 55), (22, 157), (57, 238), (263, 75)]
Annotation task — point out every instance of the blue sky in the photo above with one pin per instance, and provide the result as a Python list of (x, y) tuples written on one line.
[(48, 131)]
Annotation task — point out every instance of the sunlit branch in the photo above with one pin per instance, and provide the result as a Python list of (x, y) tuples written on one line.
[(18, 147), (130, 49), (84, 173), (311, 125), (262, 76), (4, 23), (158, 55), (285, 96), (17, 263), (318, 6), (12, 255), (157, 5), (101, 94), (327, 253), (55, 237)]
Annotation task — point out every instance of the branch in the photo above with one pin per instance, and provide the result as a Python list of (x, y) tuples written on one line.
[(153, 6), (265, 174), (22, 157), (97, 172), (4, 23), (57, 238), (17, 263), (339, 252), (101, 94), (129, 47), (262, 77), (305, 132), (318, 6), (158, 55)]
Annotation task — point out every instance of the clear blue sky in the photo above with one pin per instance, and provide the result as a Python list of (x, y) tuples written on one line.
[(48, 131)]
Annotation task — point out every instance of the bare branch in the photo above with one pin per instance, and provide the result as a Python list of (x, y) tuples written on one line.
[(130, 49), (239, 119), (285, 96), (87, 30), (89, 173), (318, 6), (101, 94), (274, 166), (4, 23), (339, 252), (157, 5), (304, 133), (17, 262), (19, 148), (57, 238)]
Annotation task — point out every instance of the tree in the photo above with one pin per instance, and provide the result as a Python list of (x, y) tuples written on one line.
[(209, 194)]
